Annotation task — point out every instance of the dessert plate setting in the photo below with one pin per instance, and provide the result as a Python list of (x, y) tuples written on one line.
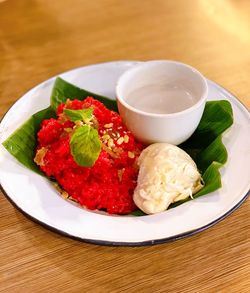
[(35, 196)]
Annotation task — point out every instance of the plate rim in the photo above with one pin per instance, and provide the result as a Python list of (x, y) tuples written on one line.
[(125, 243)]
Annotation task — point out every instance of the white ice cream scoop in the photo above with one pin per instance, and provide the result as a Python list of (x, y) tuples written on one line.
[(167, 174)]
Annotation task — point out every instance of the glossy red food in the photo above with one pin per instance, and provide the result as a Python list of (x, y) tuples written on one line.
[(109, 184)]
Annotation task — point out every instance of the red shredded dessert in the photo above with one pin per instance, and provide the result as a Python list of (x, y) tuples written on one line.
[(107, 185)]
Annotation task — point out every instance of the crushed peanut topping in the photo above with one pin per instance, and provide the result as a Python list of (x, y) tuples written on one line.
[(126, 138), (117, 150), (72, 199), (68, 130), (120, 140), (106, 137), (120, 173), (131, 155), (110, 142), (110, 152), (68, 103), (62, 118), (40, 154), (64, 194), (78, 123), (109, 125)]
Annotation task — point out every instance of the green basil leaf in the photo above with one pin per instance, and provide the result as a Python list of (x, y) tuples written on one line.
[(63, 90), (84, 114), (85, 145)]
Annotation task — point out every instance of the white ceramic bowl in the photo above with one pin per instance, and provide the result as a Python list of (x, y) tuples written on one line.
[(161, 101)]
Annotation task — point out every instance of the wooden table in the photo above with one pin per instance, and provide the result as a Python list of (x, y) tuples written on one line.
[(42, 38)]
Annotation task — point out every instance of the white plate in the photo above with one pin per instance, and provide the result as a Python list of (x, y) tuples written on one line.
[(35, 197)]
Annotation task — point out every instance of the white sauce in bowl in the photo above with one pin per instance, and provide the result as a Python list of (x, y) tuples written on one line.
[(160, 99)]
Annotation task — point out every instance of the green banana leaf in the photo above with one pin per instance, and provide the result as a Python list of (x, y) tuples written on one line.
[(63, 90), (22, 143), (204, 146)]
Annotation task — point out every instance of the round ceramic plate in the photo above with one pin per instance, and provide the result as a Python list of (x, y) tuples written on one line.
[(35, 196)]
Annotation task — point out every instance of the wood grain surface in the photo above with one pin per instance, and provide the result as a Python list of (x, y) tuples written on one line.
[(42, 38)]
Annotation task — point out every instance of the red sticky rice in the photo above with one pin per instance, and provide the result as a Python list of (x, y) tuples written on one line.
[(110, 183)]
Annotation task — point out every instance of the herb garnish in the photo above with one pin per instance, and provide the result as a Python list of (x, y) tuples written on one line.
[(85, 144), (84, 115)]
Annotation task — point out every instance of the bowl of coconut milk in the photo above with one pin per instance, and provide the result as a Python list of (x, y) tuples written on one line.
[(161, 100)]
